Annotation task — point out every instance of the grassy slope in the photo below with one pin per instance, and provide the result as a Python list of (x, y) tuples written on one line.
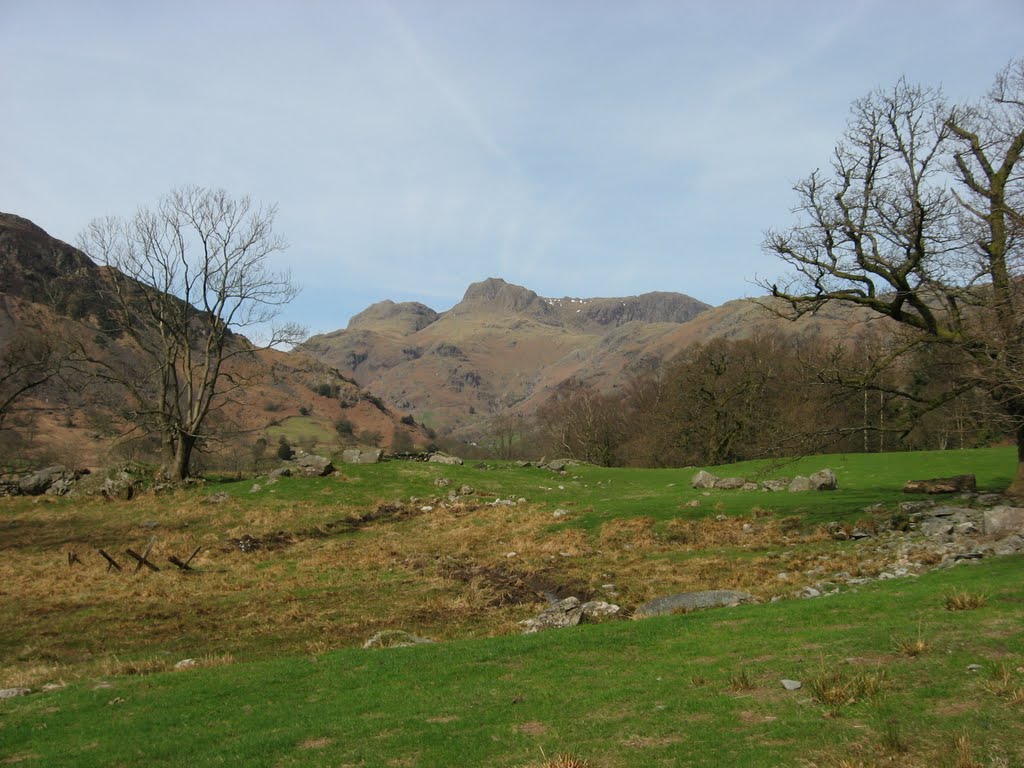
[(495, 701), (648, 693)]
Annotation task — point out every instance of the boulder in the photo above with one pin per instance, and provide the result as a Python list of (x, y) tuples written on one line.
[(10, 693), (314, 466), (957, 484), (564, 613), (799, 484), (559, 465), (395, 638), (596, 611), (730, 483), (444, 458), (1011, 545), (357, 456), (1000, 521), (61, 487), (779, 484), (686, 602), (824, 480), (39, 482), (703, 480)]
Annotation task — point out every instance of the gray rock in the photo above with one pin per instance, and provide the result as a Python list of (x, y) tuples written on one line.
[(1000, 521), (779, 484), (466, 490), (61, 487), (39, 482), (395, 638), (800, 484), (691, 601), (595, 611), (564, 613), (560, 465), (915, 507), (10, 693), (256, 488), (1011, 545), (558, 514), (791, 685), (281, 472), (316, 466), (186, 664), (703, 480), (730, 483), (808, 593), (824, 480), (442, 482), (357, 456), (444, 458)]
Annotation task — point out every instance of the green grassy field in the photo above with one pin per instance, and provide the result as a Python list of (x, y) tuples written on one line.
[(282, 680)]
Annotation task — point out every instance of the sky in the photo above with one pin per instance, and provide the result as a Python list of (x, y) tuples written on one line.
[(576, 147)]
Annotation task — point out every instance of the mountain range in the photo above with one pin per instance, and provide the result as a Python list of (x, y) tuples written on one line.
[(394, 370), (504, 349)]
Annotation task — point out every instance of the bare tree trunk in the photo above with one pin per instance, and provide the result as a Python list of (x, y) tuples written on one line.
[(1016, 487), (178, 467)]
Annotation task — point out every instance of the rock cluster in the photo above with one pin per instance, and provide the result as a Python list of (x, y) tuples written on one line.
[(923, 536), (361, 456), (822, 480), (568, 613)]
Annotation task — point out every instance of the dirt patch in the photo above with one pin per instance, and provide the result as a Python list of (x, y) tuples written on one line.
[(443, 719), (532, 728), (755, 718), (316, 743)]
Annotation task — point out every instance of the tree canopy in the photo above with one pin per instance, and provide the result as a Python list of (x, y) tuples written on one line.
[(185, 277), (919, 218)]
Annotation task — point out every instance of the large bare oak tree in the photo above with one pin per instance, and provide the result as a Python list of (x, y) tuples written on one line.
[(185, 276), (919, 218)]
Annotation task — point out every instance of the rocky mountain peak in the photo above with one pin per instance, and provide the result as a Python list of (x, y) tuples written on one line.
[(494, 295), (404, 317)]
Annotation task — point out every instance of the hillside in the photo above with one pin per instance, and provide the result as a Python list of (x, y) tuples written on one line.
[(902, 636), (503, 348), (48, 293)]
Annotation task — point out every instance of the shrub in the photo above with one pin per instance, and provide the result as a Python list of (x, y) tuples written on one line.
[(284, 449)]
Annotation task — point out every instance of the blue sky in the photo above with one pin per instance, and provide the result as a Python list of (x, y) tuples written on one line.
[(583, 148)]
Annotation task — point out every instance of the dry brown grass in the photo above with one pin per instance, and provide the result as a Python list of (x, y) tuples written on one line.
[(563, 760), (337, 588), (1007, 684), (962, 600), (836, 688)]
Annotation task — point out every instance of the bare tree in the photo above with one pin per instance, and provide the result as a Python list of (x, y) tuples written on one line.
[(184, 277), (919, 219)]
